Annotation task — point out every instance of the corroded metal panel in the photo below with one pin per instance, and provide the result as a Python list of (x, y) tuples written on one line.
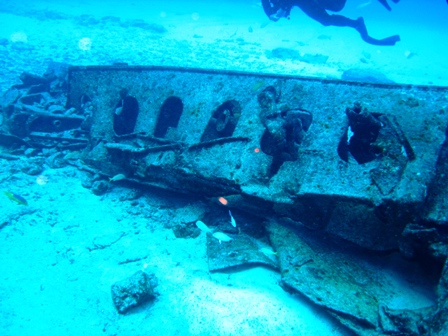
[(353, 159)]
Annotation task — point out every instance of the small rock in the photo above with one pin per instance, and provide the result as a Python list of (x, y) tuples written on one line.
[(133, 291), (87, 180), (31, 152), (56, 160), (32, 167), (99, 187), (186, 231)]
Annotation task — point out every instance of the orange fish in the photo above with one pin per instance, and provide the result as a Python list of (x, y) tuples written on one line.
[(222, 200)]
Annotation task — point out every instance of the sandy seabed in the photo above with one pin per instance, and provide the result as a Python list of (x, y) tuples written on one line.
[(56, 281)]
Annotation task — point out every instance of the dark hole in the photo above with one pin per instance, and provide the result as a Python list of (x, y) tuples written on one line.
[(359, 139), (223, 122), (32, 99), (169, 116), (125, 117)]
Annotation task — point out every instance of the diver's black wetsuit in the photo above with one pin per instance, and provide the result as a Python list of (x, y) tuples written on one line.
[(385, 4), (317, 10)]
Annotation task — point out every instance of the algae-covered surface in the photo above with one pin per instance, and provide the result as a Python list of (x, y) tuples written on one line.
[(62, 251)]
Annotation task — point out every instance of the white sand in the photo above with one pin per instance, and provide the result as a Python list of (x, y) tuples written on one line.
[(53, 285)]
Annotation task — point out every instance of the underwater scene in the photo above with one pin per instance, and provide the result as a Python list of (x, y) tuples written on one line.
[(238, 167)]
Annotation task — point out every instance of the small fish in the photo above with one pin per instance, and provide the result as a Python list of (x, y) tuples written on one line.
[(267, 251), (117, 177), (201, 225), (365, 4), (232, 220), (16, 198), (223, 201), (221, 237)]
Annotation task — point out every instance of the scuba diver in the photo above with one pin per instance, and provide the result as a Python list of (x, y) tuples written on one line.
[(317, 10)]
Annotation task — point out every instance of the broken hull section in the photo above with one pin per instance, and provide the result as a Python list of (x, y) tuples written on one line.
[(356, 160)]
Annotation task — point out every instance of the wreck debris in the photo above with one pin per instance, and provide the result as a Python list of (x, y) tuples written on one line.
[(332, 159), (133, 291)]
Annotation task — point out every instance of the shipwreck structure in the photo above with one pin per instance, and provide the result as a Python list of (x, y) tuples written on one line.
[(363, 163), (358, 160)]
